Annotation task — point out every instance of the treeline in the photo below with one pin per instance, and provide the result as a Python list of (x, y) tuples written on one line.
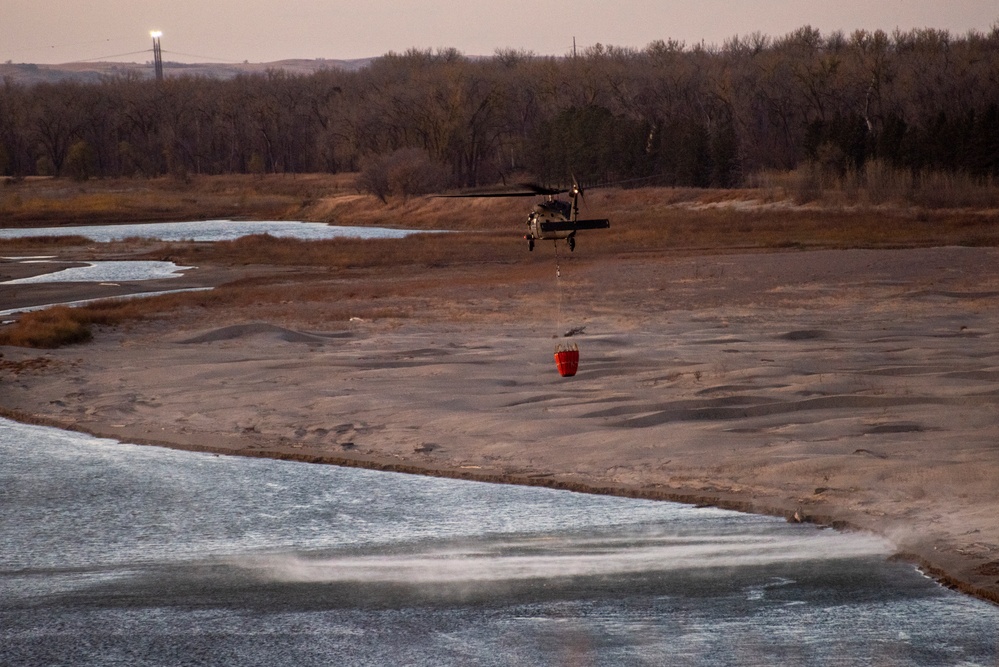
[(670, 113)]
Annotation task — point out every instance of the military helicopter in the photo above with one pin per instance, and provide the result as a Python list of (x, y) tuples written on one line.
[(552, 219)]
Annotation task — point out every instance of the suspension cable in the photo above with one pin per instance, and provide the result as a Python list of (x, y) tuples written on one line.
[(558, 286)]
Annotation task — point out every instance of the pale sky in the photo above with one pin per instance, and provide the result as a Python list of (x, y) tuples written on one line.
[(58, 31)]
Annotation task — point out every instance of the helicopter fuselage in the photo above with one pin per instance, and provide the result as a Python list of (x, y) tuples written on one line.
[(553, 220), (552, 211)]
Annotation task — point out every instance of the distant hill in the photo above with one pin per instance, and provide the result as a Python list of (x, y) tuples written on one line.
[(95, 71)]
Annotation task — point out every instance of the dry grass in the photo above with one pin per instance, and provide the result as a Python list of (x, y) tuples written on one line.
[(427, 213), (62, 325), (328, 301), (47, 329), (649, 220), (41, 243), (878, 184), (332, 282), (484, 255), (642, 220), (48, 201), (853, 204), (420, 250)]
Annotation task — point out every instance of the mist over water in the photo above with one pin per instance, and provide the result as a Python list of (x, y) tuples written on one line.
[(118, 554), (561, 557)]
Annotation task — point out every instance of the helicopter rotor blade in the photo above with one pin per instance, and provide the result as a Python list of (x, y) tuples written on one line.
[(535, 189), (542, 190), (523, 190), (469, 195)]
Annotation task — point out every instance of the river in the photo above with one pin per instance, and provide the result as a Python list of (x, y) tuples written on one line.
[(117, 554), (200, 230), (209, 230)]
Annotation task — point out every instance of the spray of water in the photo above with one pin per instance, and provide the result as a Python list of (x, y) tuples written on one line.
[(549, 558)]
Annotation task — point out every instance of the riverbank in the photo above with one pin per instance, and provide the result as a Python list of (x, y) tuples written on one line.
[(854, 388)]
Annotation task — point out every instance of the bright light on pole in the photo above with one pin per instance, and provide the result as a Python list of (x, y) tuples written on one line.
[(157, 54)]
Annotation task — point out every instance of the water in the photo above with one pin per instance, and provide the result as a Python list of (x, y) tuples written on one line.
[(101, 272), (117, 554), (108, 271), (210, 230)]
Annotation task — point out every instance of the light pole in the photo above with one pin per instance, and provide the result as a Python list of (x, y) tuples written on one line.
[(157, 55)]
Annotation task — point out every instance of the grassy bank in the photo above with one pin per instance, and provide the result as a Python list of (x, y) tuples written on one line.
[(392, 277), (49, 201), (874, 207)]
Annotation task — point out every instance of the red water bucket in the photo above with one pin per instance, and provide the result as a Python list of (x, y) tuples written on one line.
[(567, 360)]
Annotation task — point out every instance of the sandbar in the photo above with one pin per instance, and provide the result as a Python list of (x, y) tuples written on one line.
[(852, 388)]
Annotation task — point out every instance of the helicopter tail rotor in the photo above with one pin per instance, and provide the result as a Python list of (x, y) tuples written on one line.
[(576, 192)]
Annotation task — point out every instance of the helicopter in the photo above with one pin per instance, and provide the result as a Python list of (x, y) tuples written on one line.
[(552, 219)]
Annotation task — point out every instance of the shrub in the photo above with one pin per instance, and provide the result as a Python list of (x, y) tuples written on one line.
[(808, 186), (62, 325), (405, 172), (44, 166), (48, 329), (885, 184), (80, 161)]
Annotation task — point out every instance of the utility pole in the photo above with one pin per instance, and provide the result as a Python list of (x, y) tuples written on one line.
[(157, 54)]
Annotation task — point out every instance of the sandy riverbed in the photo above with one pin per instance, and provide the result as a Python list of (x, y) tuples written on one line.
[(850, 387)]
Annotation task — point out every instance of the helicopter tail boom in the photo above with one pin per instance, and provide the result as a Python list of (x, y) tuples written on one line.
[(570, 225)]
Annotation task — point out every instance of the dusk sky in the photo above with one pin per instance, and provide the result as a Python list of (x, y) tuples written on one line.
[(58, 31)]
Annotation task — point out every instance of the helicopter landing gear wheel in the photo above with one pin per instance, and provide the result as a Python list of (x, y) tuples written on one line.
[(572, 243)]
